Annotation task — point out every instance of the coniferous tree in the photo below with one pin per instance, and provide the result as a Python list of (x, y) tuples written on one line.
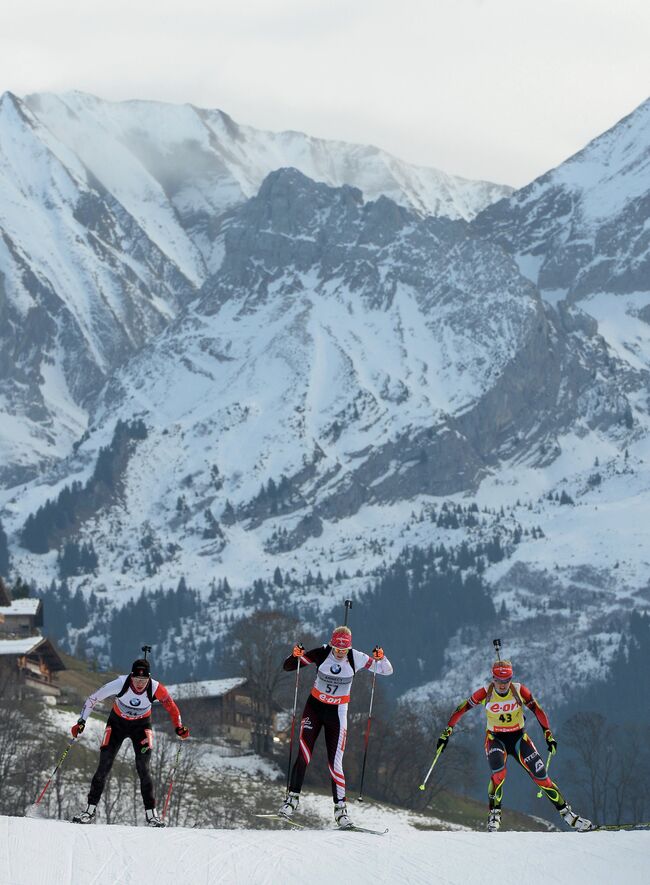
[(55, 519), (228, 516), (20, 589)]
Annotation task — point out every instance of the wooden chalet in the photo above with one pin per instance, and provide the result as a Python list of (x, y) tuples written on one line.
[(19, 617), (28, 661), (223, 708), (29, 665)]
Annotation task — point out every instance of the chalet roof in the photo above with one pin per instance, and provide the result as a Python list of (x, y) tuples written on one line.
[(33, 645), (26, 606), (19, 646), (211, 688)]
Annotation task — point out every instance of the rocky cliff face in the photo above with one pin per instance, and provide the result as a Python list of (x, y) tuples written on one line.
[(583, 228), (351, 354)]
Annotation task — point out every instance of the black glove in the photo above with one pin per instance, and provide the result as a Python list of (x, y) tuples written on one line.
[(551, 743), (442, 740)]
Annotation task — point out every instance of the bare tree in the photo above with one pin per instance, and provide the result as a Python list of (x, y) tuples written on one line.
[(610, 767), (400, 751), (590, 738), (263, 642)]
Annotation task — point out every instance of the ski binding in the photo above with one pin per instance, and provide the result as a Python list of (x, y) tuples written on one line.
[(355, 829)]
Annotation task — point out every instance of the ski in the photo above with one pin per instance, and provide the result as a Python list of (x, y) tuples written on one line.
[(353, 828), (614, 827), (283, 818), (293, 823)]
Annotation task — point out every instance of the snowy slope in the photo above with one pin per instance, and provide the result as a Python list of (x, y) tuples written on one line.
[(81, 288), (583, 227), (365, 354), (53, 853)]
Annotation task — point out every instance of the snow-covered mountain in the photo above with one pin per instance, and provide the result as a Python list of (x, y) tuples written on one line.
[(81, 289), (348, 362), (584, 228), (110, 219)]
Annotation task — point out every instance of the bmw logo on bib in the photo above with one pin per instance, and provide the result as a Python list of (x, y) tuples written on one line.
[(135, 702), (335, 668)]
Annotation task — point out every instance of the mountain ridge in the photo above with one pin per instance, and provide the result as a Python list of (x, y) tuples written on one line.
[(347, 361)]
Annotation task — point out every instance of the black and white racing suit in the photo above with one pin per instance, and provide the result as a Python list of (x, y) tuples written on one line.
[(327, 708)]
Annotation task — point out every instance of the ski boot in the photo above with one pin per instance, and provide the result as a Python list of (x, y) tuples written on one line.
[(152, 818), (85, 817), (581, 824), (289, 805), (494, 820), (341, 815)]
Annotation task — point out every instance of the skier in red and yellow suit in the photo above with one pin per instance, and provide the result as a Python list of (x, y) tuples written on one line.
[(504, 702)]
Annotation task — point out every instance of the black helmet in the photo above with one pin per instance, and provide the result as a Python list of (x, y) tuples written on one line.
[(140, 668)]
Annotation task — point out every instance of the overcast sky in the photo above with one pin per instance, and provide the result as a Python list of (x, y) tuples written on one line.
[(494, 89)]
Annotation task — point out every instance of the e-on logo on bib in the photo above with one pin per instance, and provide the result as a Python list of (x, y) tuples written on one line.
[(335, 668)]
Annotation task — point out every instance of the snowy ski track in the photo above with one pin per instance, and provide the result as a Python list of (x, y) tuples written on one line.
[(40, 852)]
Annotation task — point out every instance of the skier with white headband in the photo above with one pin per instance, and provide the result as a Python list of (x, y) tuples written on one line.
[(327, 708)]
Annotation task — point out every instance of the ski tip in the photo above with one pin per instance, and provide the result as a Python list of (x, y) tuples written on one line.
[(618, 828)]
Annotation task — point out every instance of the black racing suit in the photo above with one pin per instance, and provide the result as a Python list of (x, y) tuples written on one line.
[(140, 733)]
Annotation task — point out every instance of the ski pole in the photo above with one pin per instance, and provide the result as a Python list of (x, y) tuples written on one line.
[(348, 606), (435, 759), (171, 781), (365, 752), (293, 724), (548, 765), (56, 768)]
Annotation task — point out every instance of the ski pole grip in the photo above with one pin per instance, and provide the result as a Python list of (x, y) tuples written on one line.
[(348, 606)]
